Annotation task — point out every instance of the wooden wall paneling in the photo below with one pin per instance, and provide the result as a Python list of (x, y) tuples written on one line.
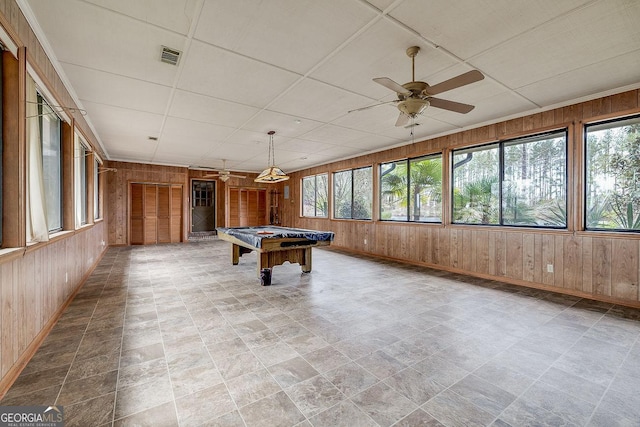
[(6, 319), (444, 247), (481, 244), (538, 263), (176, 214), (150, 214), (558, 268), (164, 214), (469, 251), (455, 248), (528, 257), (572, 262), (624, 269), (514, 255), (587, 265), (601, 263), (548, 258), (491, 253), (501, 254)]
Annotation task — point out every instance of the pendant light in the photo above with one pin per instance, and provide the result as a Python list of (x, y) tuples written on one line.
[(273, 173)]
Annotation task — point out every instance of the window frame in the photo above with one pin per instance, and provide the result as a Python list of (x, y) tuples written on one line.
[(584, 190), (564, 131), (82, 151), (333, 196), (315, 196), (42, 101), (96, 189), (408, 162)]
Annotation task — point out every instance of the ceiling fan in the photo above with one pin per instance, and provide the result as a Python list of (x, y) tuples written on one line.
[(415, 96), (224, 174)]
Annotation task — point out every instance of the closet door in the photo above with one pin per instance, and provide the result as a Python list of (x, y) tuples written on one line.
[(164, 214), (137, 214), (150, 214)]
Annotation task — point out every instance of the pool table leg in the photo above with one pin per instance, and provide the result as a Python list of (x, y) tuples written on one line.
[(235, 254), (306, 267)]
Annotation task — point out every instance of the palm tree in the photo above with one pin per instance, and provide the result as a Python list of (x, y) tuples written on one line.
[(414, 187)]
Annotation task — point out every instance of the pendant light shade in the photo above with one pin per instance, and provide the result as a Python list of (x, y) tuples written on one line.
[(272, 174)]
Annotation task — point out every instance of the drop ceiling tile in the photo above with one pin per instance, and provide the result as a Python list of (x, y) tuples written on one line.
[(600, 31), (335, 135), (119, 91), (226, 75), (201, 108), (380, 51), (305, 146), (187, 130), (469, 27), (282, 32), (315, 100), (284, 124), (174, 15), (620, 72), (123, 120), (104, 40)]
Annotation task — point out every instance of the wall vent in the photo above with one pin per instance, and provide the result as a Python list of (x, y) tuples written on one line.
[(170, 56)]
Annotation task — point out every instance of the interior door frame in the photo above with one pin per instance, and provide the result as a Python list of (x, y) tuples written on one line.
[(216, 196)]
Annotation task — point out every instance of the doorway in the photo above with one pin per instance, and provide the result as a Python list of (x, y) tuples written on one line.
[(203, 206)]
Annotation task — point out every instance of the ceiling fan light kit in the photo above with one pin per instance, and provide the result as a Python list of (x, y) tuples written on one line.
[(272, 174), (415, 96)]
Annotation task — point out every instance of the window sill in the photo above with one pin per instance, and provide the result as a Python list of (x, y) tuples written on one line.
[(9, 254)]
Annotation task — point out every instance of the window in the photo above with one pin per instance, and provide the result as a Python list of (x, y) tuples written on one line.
[(520, 182), (613, 175), (352, 193), (50, 135), (81, 153), (96, 189), (315, 199), (411, 190)]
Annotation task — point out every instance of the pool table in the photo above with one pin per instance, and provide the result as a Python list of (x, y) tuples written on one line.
[(275, 245)]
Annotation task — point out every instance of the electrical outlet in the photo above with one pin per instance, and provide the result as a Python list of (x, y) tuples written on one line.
[(549, 268), (66, 277), (365, 241)]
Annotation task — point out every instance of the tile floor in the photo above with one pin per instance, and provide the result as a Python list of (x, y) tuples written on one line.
[(174, 335)]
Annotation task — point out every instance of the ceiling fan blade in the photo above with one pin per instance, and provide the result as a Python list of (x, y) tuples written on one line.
[(390, 84), (237, 176), (371, 106), (457, 107), (403, 119), (455, 82)]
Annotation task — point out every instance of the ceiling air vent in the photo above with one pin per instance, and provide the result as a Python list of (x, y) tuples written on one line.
[(170, 56)]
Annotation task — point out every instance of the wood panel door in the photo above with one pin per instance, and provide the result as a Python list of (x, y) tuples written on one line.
[(137, 214), (164, 214), (156, 214), (150, 214), (247, 207)]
